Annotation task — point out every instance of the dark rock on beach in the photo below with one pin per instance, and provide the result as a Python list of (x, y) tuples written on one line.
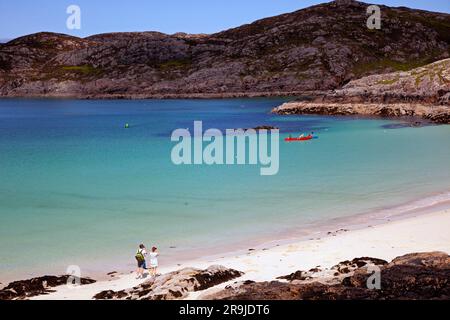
[(413, 276), (37, 286), (174, 285), (111, 295), (347, 266), (298, 275)]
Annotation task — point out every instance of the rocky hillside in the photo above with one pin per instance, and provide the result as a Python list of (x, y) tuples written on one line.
[(428, 84), (423, 92), (318, 48)]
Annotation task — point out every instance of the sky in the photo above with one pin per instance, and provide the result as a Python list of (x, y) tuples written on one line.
[(21, 17)]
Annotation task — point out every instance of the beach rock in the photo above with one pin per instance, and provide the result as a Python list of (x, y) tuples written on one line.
[(334, 275), (23, 289), (413, 276), (437, 260), (175, 285), (290, 291), (111, 295), (335, 233), (347, 266), (298, 275)]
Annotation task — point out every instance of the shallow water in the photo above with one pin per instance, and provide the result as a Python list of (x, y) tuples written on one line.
[(78, 188)]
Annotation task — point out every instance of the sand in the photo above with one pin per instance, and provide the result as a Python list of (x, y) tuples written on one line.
[(422, 233)]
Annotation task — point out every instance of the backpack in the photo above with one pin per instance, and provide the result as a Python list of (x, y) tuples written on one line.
[(139, 256)]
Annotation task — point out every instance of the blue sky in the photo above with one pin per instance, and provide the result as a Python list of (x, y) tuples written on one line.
[(20, 17)]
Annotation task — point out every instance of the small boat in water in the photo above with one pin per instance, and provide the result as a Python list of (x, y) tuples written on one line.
[(306, 138)]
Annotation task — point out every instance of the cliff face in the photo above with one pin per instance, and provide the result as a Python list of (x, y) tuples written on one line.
[(319, 48)]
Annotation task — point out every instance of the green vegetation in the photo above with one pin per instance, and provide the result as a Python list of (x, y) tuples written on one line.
[(178, 64), (385, 64), (81, 73), (432, 72), (418, 80), (85, 70)]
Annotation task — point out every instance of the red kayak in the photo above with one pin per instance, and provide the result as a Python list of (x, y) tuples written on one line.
[(299, 139)]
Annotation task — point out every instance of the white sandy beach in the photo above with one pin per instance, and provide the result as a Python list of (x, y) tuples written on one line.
[(422, 233)]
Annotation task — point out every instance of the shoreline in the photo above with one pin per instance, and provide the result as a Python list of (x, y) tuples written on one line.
[(123, 280), (266, 239), (167, 96), (420, 233)]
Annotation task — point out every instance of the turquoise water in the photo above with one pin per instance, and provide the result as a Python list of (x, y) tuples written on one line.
[(78, 188)]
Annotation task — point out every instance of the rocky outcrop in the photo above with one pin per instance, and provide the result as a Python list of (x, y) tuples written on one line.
[(429, 84), (37, 286), (174, 285), (265, 128), (413, 276), (335, 274), (322, 47), (422, 93), (351, 266), (436, 114)]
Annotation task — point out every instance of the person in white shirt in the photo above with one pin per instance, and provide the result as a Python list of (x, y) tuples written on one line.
[(153, 261)]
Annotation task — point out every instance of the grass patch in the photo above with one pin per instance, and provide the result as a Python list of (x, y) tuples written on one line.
[(178, 64), (418, 80), (385, 64), (85, 70), (78, 73), (388, 81)]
